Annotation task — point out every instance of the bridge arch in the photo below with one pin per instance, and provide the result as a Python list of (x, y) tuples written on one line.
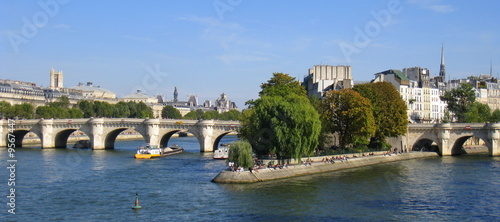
[(218, 138), (18, 136), (458, 145), (425, 144), (166, 137), (110, 139)]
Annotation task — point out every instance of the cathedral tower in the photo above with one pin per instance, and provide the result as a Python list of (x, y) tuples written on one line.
[(56, 79)]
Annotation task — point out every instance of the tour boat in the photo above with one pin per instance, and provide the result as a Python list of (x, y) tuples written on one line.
[(150, 151), (222, 152)]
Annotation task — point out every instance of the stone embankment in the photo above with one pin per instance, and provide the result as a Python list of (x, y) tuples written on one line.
[(314, 167)]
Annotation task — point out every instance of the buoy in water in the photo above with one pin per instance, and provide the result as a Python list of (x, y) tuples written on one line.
[(136, 206)]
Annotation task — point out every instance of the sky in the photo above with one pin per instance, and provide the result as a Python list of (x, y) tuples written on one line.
[(209, 47)]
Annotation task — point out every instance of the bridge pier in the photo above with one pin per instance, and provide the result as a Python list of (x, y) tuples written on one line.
[(204, 134), (96, 135), (445, 148), (494, 139), (152, 131)]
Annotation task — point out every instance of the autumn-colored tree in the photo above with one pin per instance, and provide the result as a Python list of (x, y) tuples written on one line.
[(389, 110), (348, 114)]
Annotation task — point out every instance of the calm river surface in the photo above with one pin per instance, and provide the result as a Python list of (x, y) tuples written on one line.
[(85, 185)]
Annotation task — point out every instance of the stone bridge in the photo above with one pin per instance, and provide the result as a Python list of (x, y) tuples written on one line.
[(102, 132), (450, 137)]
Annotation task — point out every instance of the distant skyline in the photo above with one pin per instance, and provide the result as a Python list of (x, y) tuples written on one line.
[(206, 48)]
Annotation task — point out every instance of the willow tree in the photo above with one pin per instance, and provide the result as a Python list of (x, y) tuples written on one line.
[(389, 110), (240, 152), (348, 114), (282, 121)]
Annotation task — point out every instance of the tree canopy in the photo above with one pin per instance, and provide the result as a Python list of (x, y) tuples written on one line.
[(349, 114), (459, 100), (389, 110), (282, 121), (240, 152), (170, 112)]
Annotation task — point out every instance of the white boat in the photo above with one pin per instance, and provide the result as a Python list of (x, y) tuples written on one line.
[(148, 151), (222, 152)]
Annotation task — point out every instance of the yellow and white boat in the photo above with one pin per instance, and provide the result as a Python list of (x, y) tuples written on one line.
[(149, 151)]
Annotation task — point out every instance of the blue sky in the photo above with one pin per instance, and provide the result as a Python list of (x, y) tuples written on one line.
[(232, 46)]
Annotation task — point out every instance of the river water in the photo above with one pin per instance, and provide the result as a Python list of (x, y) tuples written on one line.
[(100, 185)]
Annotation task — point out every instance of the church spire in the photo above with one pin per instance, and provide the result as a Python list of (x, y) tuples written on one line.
[(442, 71)]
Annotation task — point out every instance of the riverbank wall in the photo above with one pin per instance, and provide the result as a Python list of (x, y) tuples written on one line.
[(315, 167)]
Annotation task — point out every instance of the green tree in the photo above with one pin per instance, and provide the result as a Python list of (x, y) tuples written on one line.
[(389, 110), (75, 113), (103, 109), (478, 113), (191, 115), (282, 85), (458, 100), (143, 111), (121, 110), (282, 121), (495, 116), (62, 102), (5, 109), (24, 111), (87, 107), (212, 114), (46, 112), (170, 112), (240, 152), (349, 114), (230, 115)]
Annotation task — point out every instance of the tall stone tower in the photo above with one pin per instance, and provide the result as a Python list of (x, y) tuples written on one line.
[(56, 79), (176, 95), (442, 71)]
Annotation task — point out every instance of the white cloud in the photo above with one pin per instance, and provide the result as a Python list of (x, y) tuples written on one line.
[(433, 5)]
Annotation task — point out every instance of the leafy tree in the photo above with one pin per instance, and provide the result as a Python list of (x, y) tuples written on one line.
[(103, 109), (349, 114), (87, 107), (121, 110), (458, 100), (212, 114), (62, 102), (282, 85), (230, 115), (478, 113), (24, 110), (240, 152), (170, 112), (199, 114), (5, 109), (75, 113), (44, 112), (142, 111), (191, 115), (282, 121), (389, 110), (495, 116)]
